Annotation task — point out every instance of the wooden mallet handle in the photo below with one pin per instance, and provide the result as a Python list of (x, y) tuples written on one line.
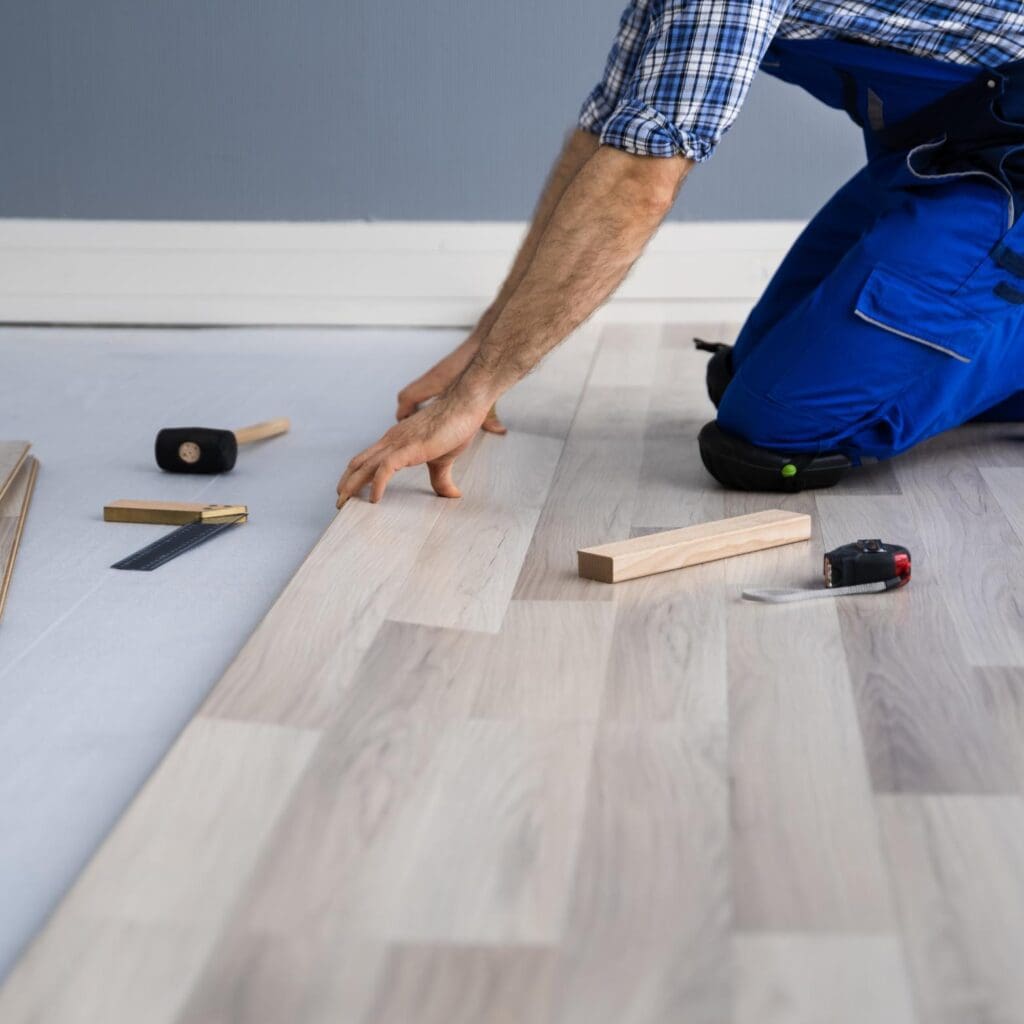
[(261, 431)]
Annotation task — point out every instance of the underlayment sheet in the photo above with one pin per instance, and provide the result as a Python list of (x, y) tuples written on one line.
[(100, 670)]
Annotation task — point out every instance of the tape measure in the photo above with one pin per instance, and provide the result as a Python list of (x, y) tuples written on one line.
[(863, 567), (175, 543)]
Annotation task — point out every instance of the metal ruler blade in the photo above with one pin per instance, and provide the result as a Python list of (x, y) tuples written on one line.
[(185, 538)]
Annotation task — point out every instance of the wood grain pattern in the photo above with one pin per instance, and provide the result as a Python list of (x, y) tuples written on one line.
[(448, 781), (692, 545), (14, 506), (958, 873), (802, 978)]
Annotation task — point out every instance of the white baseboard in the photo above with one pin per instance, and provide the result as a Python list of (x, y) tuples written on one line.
[(388, 273)]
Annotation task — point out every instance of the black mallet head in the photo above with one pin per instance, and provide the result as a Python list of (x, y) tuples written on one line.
[(196, 450)]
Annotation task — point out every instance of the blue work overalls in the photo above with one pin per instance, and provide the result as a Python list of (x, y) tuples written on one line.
[(899, 311)]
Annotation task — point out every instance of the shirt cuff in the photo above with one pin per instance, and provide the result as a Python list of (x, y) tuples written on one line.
[(642, 131)]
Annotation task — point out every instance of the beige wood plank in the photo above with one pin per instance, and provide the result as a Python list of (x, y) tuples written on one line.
[(945, 488), (806, 853), (467, 569), (928, 725), (14, 506), (594, 489), (800, 978), (667, 550), (958, 872), (12, 455), (648, 932), (296, 667), (164, 881), (465, 985)]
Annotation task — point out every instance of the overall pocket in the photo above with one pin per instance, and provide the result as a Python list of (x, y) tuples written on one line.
[(921, 316)]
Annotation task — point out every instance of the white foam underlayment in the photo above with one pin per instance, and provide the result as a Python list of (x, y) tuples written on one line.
[(99, 669)]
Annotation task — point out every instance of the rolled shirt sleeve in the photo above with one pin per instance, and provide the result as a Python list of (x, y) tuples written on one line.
[(678, 74)]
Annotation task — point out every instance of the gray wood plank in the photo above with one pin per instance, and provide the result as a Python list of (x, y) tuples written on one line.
[(944, 485), (957, 864), (927, 725), (801, 978), (648, 933), (440, 984), (805, 847)]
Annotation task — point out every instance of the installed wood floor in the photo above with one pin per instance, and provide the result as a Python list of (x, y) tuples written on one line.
[(448, 781)]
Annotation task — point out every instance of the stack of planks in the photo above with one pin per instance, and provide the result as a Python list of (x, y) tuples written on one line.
[(18, 471)]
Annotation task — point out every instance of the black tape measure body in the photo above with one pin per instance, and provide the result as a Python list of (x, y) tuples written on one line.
[(867, 561)]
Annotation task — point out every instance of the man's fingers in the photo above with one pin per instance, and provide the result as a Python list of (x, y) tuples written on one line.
[(353, 482), (385, 471), (441, 478), (411, 397), (493, 424)]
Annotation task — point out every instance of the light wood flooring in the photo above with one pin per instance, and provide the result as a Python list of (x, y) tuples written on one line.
[(448, 781)]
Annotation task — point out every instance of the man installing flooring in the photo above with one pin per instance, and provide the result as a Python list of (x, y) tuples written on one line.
[(895, 316)]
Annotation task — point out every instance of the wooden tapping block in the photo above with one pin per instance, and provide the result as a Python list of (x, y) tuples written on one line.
[(13, 513), (12, 456), (171, 513), (705, 542)]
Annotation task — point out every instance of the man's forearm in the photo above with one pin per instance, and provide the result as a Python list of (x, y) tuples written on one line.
[(599, 228), (579, 147)]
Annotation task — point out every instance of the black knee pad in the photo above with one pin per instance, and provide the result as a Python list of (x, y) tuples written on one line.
[(741, 466), (719, 371)]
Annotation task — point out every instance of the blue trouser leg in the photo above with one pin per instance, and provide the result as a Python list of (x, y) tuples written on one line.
[(889, 321)]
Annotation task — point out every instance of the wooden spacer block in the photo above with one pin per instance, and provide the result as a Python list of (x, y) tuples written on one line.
[(171, 513), (691, 545)]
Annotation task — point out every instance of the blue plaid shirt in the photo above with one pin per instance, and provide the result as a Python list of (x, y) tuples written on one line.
[(680, 69)]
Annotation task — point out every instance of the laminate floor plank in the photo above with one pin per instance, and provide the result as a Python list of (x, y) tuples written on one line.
[(928, 725), (296, 667), (958, 872), (464, 576), (465, 985), (647, 938), (592, 496), (801, 978), (805, 846), (944, 484)]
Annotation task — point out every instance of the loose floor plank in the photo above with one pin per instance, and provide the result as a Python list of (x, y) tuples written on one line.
[(14, 506), (12, 455)]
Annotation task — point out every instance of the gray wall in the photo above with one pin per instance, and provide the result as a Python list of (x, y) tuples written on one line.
[(344, 109)]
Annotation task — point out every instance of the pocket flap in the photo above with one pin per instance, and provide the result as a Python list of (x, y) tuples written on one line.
[(919, 313)]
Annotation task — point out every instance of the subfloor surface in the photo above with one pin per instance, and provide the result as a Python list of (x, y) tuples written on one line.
[(448, 781), (100, 670)]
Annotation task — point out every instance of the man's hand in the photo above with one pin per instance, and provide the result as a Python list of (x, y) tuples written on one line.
[(436, 435), (439, 378)]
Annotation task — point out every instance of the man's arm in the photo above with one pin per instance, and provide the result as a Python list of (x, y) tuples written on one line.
[(598, 229), (578, 149)]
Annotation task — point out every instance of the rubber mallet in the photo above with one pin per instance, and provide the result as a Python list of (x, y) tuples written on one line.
[(203, 450)]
